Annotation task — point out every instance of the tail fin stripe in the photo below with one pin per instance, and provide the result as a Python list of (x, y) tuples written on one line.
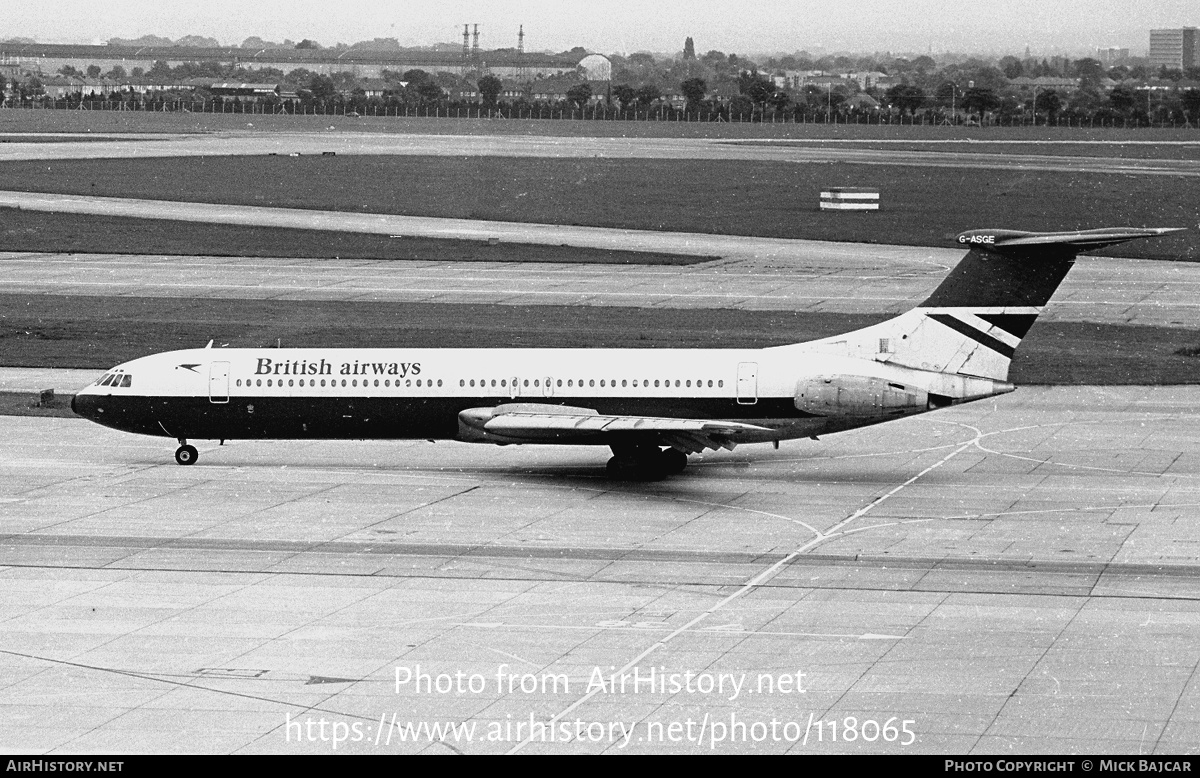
[(983, 339), (1016, 324)]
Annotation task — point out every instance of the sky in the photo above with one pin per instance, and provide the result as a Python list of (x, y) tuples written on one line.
[(625, 26)]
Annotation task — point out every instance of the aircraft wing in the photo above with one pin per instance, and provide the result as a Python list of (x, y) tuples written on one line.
[(529, 423)]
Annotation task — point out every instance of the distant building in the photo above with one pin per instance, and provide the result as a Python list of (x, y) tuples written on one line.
[(49, 58), (794, 79), (1175, 49), (862, 102), (245, 92), (596, 67), (1044, 82), (829, 82), (1112, 56), (871, 78)]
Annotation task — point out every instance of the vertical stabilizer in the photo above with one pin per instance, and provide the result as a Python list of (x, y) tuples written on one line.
[(973, 322)]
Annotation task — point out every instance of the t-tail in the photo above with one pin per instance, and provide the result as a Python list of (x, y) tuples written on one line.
[(958, 344)]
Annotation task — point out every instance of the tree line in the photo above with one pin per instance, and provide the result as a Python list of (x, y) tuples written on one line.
[(970, 90)]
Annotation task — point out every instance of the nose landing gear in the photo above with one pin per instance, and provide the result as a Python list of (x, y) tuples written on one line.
[(185, 454)]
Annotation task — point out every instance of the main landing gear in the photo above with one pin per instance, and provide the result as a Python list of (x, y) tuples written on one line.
[(645, 463), (185, 454)]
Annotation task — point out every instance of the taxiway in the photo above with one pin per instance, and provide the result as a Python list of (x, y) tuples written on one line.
[(338, 141), (801, 275), (1014, 575)]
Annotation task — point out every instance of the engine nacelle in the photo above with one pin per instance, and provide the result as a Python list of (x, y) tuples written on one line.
[(852, 395)]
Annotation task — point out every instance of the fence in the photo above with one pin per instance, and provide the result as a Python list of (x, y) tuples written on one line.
[(600, 112)]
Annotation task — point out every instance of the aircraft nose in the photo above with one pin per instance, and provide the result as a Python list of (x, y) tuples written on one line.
[(84, 405)]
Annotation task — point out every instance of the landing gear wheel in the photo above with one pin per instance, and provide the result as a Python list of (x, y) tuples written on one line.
[(643, 465), (673, 461), (186, 455)]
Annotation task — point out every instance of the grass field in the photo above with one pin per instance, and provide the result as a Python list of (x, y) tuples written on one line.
[(37, 231), (97, 332), (22, 120), (26, 404), (1178, 150), (920, 206)]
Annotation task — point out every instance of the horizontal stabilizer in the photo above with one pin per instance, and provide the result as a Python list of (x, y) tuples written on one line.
[(1011, 268), (1078, 240)]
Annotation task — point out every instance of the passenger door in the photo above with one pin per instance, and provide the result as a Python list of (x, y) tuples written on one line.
[(218, 382), (747, 383)]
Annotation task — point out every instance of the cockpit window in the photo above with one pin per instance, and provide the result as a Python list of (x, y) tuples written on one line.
[(121, 380)]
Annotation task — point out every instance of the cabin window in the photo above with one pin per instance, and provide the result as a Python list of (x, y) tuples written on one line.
[(710, 383), (126, 381), (504, 382), (462, 382), (689, 383), (720, 383), (592, 382), (623, 382), (527, 382), (472, 382), (560, 382), (408, 383), (635, 383), (440, 382), (536, 382), (322, 382), (601, 382), (418, 382), (239, 382)]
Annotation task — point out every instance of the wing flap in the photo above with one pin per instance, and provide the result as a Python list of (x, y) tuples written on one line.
[(553, 424), (515, 423)]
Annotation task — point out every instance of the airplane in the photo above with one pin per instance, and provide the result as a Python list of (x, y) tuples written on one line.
[(651, 407)]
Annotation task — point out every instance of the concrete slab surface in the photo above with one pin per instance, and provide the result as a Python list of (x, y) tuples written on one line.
[(893, 580)]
